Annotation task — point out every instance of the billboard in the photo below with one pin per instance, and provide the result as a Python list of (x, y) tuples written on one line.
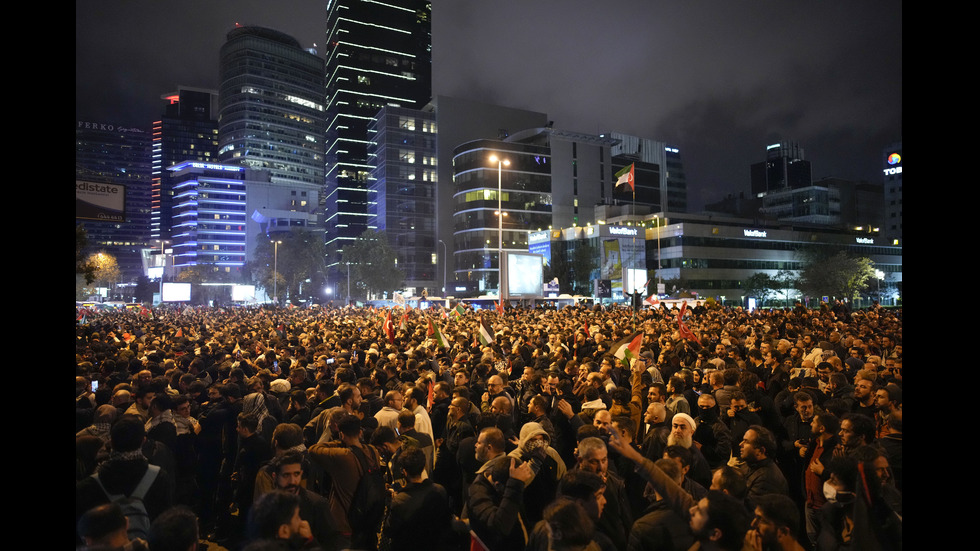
[(525, 275), (100, 201), (176, 292)]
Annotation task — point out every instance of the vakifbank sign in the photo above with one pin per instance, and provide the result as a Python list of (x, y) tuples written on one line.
[(100, 201)]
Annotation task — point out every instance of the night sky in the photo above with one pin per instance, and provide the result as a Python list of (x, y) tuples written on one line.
[(719, 80)]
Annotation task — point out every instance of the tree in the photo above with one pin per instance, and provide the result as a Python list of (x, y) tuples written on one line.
[(144, 289), (106, 268), (834, 273), (759, 285), (301, 258), (785, 281), (82, 266), (373, 263)]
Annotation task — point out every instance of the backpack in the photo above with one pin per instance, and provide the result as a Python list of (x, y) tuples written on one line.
[(369, 503), (132, 505)]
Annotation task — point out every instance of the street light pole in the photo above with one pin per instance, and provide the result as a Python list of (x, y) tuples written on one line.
[(275, 273), (500, 223), (444, 262), (163, 252)]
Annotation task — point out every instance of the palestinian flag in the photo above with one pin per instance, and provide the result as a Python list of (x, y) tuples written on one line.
[(436, 335), (628, 348), (625, 176), (459, 310), (486, 332)]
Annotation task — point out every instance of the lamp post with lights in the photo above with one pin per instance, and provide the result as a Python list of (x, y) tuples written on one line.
[(500, 222)]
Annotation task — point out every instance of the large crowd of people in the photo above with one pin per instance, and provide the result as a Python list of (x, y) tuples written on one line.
[(529, 428)]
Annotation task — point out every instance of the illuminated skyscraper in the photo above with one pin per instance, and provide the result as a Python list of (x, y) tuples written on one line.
[(271, 106), (106, 153), (378, 54), (187, 131)]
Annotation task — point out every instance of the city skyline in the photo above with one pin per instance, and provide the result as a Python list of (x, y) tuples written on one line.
[(718, 80)]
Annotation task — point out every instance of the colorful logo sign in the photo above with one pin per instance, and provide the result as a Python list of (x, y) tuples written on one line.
[(894, 159)]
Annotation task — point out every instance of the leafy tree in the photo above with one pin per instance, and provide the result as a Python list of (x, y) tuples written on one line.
[(836, 274), (143, 292), (373, 264), (759, 285), (785, 281), (106, 268), (301, 259), (82, 266)]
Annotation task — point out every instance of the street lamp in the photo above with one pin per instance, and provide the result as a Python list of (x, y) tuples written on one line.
[(163, 273), (659, 265), (500, 223), (879, 275), (275, 272), (444, 259)]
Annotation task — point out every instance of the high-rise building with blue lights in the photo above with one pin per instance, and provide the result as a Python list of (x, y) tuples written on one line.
[(209, 216), (378, 54), (187, 131)]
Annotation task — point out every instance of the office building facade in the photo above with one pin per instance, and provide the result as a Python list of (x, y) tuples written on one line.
[(713, 256), (271, 106), (187, 131), (784, 168), (378, 54), (106, 153), (661, 184), (209, 216), (892, 174), (403, 179)]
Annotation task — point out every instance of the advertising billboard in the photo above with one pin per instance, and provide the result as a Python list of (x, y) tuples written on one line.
[(525, 275), (100, 201)]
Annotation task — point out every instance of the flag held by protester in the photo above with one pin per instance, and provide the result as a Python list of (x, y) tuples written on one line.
[(486, 332), (629, 348)]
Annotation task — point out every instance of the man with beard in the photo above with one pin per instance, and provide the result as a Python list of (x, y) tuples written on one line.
[(717, 521), (774, 525), (816, 455), (763, 478), (313, 508), (682, 434), (865, 400), (795, 436), (713, 436), (856, 430)]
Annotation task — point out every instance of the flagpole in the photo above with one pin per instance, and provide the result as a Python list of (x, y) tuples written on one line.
[(632, 170)]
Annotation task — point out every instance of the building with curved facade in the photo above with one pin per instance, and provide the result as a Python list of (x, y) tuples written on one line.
[(525, 198), (271, 106)]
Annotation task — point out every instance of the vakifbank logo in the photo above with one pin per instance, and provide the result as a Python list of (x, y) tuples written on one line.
[(894, 159)]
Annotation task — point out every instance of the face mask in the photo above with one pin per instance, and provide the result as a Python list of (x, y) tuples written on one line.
[(833, 496)]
